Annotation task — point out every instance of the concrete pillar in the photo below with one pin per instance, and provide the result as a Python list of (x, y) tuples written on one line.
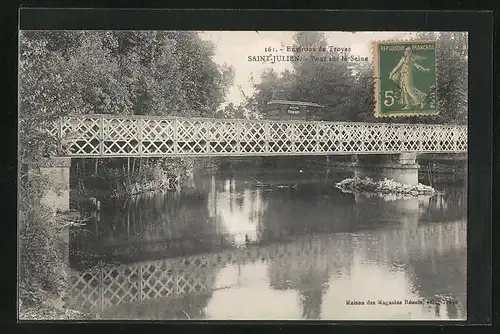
[(402, 168), (57, 172)]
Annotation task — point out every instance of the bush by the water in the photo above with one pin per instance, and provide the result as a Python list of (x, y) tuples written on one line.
[(139, 175), (386, 186), (42, 272), (149, 178)]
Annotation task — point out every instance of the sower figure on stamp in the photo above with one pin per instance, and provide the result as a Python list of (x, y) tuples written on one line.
[(402, 75)]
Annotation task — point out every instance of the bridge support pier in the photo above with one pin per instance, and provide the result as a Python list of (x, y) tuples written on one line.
[(402, 168), (56, 171)]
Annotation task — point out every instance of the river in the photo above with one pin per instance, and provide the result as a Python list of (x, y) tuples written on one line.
[(298, 248)]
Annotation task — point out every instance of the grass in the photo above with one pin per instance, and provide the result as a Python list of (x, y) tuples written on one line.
[(41, 269), (50, 312)]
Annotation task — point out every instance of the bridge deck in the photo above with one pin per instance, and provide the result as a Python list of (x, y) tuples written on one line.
[(122, 136)]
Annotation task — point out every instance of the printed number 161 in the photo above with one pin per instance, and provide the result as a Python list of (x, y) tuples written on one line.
[(388, 98)]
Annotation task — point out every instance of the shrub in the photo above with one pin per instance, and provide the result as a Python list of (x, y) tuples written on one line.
[(41, 269)]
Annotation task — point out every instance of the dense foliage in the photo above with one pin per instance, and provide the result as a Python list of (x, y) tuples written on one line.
[(100, 72), (346, 89), (42, 269), (113, 72), (452, 68), (232, 111)]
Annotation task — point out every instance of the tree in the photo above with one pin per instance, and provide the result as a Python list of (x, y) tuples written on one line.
[(325, 81), (270, 83), (347, 89), (170, 73), (44, 95), (323, 77), (452, 79), (100, 72), (361, 95), (113, 72), (232, 111)]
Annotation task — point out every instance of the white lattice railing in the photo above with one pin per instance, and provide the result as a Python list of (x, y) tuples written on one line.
[(152, 280), (113, 136)]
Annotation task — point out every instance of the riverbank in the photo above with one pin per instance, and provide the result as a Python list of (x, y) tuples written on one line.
[(386, 187), (137, 188), (49, 312), (43, 243), (110, 180)]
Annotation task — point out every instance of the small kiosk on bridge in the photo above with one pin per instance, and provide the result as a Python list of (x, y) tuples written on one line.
[(293, 110)]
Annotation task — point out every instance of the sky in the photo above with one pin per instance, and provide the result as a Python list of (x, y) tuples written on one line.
[(234, 47)]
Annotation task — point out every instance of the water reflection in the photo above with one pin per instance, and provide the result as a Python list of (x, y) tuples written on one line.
[(239, 211), (224, 249)]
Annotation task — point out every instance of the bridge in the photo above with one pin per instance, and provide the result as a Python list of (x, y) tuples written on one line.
[(83, 136), (147, 281), (109, 136)]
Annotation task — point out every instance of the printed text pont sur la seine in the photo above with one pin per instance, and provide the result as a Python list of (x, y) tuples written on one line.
[(315, 54)]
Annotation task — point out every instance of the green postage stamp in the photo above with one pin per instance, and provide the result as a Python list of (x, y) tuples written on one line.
[(405, 78)]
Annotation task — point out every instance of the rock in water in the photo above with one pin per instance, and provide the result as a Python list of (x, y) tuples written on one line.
[(386, 186)]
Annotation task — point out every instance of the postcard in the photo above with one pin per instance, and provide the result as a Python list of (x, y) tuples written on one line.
[(243, 175)]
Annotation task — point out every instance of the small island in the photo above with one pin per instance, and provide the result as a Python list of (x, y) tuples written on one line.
[(384, 187)]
